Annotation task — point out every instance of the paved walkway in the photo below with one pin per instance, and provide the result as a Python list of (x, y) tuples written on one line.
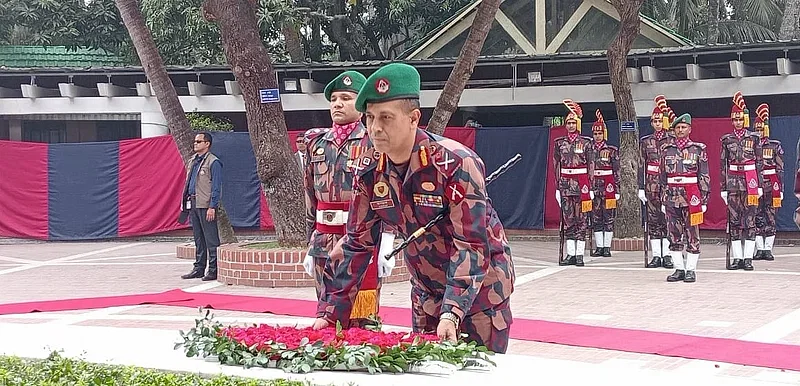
[(760, 306)]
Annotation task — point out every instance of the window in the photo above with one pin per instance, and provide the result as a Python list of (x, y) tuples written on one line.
[(118, 130), (44, 131)]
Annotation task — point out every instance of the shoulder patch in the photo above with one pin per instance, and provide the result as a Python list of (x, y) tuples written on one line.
[(313, 134), (445, 161), (700, 145)]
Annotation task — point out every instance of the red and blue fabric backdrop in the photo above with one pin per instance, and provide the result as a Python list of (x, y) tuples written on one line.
[(115, 189)]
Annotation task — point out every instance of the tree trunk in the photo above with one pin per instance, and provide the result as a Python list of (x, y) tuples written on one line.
[(628, 223), (713, 22), (293, 44), (252, 68), (791, 16), (166, 95), (462, 70)]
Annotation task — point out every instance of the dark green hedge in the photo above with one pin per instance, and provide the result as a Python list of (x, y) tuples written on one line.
[(60, 371)]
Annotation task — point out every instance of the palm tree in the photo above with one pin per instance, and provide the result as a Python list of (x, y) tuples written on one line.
[(166, 95)]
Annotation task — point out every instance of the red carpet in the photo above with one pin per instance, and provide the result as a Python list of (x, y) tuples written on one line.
[(778, 356)]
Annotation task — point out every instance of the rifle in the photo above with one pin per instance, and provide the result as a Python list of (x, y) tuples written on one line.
[(727, 224), (561, 231), (419, 232)]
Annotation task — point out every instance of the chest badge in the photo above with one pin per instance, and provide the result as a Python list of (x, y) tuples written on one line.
[(319, 151), (428, 186), (579, 148), (381, 189)]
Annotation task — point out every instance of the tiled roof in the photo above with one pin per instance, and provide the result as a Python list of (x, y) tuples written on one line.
[(55, 56)]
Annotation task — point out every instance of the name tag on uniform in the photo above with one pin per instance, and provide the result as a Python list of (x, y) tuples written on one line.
[(428, 200), (318, 158), (382, 204)]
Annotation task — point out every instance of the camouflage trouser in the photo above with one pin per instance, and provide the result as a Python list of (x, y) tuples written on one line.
[(574, 220), (656, 221), (765, 218), (742, 216), (602, 218), (678, 226), (488, 327)]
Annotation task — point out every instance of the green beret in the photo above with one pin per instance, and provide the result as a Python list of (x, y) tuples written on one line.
[(685, 118), (347, 81), (390, 82)]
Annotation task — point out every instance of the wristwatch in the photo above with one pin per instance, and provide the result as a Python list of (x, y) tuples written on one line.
[(451, 317)]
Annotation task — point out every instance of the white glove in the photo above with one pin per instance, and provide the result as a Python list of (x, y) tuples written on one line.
[(308, 265), (705, 208), (616, 197), (642, 196), (385, 266), (558, 197), (781, 196), (724, 195), (591, 194), (663, 209), (760, 192)]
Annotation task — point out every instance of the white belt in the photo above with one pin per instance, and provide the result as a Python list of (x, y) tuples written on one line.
[(769, 172), (600, 173), (682, 180), (738, 168), (574, 171), (653, 168), (332, 217)]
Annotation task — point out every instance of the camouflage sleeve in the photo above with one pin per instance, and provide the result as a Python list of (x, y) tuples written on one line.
[(642, 165), (759, 162), (590, 162), (310, 198), (723, 170), (557, 163), (470, 260), (703, 178), (349, 259)]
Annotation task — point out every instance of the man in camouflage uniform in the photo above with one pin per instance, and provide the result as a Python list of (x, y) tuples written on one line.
[(685, 186), (606, 187), (328, 184), (771, 156), (649, 183), (740, 184), (462, 275), (573, 157)]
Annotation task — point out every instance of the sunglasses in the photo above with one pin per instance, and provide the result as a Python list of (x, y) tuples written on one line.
[(200, 141)]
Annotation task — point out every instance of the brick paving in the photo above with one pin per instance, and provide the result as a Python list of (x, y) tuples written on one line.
[(614, 292)]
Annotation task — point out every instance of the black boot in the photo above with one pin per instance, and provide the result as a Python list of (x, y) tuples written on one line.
[(566, 261), (690, 277), (195, 274), (667, 262), (759, 255), (678, 275), (607, 252), (211, 276), (655, 262), (768, 256), (735, 264), (597, 252), (579, 260), (748, 265)]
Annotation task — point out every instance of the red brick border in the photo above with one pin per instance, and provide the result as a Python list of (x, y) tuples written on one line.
[(627, 244), (239, 265)]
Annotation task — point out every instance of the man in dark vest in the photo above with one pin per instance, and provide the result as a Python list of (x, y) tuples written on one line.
[(201, 197)]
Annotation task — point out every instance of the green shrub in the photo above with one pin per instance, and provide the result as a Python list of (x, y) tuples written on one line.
[(60, 371)]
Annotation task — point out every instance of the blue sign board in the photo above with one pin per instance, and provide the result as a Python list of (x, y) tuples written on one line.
[(627, 126), (269, 95)]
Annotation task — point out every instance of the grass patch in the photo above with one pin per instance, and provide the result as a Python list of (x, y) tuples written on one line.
[(57, 371), (263, 245)]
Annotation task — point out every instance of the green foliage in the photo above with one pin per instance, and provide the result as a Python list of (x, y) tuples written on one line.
[(58, 370), (208, 122), (207, 339)]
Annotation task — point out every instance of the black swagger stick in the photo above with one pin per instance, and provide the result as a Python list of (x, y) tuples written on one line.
[(419, 232)]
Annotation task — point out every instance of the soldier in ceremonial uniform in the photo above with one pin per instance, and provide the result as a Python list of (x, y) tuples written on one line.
[(740, 183), (649, 182), (771, 156), (573, 157), (606, 187), (685, 186), (462, 275), (328, 180)]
